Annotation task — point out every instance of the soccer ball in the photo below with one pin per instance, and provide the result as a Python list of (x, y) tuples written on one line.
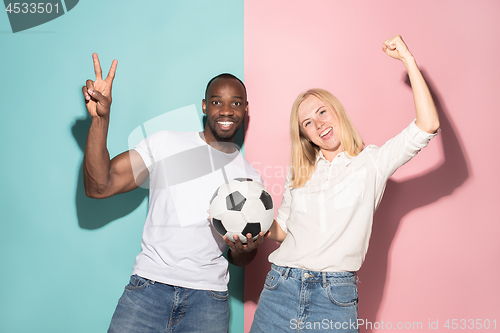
[(241, 206)]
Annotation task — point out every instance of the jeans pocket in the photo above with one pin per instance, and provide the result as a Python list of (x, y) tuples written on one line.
[(273, 280), (219, 295), (342, 294), (137, 283)]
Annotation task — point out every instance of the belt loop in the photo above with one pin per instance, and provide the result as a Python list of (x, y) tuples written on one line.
[(357, 277), (324, 278), (287, 271)]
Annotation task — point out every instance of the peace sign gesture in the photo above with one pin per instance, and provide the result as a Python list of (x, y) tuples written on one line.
[(98, 93)]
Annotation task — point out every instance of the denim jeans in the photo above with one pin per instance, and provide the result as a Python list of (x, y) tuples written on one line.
[(147, 306), (297, 300)]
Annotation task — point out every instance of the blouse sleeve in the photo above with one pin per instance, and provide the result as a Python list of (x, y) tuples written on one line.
[(400, 149), (284, 209)]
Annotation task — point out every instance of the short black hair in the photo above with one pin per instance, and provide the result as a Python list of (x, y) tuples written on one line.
[(224, 76)]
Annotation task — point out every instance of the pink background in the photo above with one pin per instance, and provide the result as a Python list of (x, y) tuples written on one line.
[(434, 251)]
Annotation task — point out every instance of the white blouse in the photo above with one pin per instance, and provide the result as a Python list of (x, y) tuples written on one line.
[(328, 221)]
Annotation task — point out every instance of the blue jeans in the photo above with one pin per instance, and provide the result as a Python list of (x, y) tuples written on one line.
[(297, 300), (147, 306)]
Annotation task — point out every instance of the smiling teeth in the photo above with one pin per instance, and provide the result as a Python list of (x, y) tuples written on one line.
[(225, 123), (325, 132)]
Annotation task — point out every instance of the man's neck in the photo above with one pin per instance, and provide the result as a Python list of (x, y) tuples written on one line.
[(225, 147)]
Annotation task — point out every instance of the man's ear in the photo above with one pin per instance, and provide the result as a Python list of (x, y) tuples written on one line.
[(204, 106), (246, 107)]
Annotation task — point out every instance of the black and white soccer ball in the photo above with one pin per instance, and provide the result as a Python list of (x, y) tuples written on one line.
[(241, 206)]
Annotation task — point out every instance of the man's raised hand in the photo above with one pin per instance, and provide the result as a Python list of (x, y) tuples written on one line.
[(98, 93)]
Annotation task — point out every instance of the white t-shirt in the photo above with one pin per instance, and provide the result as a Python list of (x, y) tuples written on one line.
[(179, 246), (329, 220)]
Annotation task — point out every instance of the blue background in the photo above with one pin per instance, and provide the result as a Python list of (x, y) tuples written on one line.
[(65, 258)]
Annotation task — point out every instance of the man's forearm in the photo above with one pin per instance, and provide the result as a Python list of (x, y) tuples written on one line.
[(96, 163)]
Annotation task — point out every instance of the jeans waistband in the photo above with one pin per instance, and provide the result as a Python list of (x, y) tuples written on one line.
[(315, 276)]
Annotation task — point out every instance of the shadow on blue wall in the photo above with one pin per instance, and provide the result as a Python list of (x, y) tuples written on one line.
[(95, 213)]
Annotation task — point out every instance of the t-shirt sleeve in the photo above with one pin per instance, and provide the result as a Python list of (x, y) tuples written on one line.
[(147, 148), (400, 149)]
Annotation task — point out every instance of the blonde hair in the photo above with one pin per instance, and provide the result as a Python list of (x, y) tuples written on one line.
[(305, 153)]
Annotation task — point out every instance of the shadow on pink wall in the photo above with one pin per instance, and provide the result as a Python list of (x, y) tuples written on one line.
[(400, 198)]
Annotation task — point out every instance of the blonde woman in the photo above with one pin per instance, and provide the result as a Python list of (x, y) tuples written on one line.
[(333, 188)]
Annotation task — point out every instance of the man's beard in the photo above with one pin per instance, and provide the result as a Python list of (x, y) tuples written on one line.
[(221, 137)]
